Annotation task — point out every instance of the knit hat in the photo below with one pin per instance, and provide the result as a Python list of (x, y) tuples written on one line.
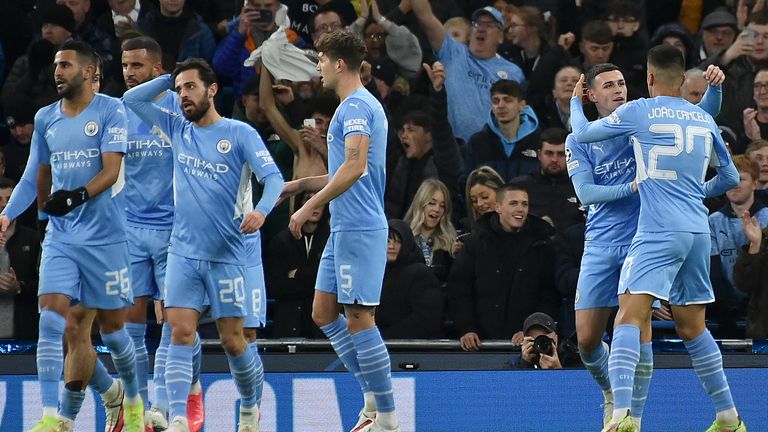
[(59, 15), (384, 70), (20, 111)]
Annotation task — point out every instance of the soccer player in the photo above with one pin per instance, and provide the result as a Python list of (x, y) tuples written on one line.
[(213, 160), (603, 174), (80, 141), (53, 323), (673, 143), (352, 266), (148, 203)]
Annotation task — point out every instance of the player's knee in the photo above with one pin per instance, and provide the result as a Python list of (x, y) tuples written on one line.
[(233, 343), (688, 332), (250, 334), (588, 341), (323, 317), (182, 333)]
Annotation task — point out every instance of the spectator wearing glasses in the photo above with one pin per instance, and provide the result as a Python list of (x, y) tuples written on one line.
[(386, 40), (303, 14), (756, 119), (741, 62), (470, 70)]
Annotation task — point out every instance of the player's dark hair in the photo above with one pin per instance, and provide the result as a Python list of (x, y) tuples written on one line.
[(509, 187), (325, 105), (418, 118), (597, 31), (344, 45), (85, 52), (554, 136), (596, 70), (143, 42), (667, 58), (207, 75), (6, 183), (509, 88)]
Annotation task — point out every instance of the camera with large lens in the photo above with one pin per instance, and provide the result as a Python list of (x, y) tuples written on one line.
[(543, 344)]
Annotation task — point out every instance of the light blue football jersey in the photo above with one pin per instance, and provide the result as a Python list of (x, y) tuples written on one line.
[(674, 142), (361, 207), (148, 194), (73, 146), (611, 163), (212, 171)]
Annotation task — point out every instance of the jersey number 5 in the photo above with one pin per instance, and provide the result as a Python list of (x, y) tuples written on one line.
[(684, 141)]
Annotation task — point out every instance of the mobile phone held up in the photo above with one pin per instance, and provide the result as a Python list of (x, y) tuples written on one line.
[(309, 123), (265, 15)]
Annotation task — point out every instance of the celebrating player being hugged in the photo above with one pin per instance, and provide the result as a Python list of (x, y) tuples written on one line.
[(352, 265), (668, 259), (213, 160), (603, 175)]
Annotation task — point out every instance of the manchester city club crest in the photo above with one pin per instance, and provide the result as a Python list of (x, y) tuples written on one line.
[(502, 74), (91, 128), (224, 146)]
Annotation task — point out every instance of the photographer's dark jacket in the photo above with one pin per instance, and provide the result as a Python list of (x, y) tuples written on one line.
[(499, 278)]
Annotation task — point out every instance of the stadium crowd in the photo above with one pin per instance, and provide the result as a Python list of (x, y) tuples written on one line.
[(485, 225)]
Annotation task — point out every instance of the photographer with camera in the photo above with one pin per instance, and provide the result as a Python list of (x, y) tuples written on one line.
[(540, 348)]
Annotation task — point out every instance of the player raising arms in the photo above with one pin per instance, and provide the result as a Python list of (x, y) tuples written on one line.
[(603, 174), (674, 142), (213, 159), (352, 265)]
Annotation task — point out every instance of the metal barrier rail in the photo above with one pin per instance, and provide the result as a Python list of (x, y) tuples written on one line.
[(300, 344)]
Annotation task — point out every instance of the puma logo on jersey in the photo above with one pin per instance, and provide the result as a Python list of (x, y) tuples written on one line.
[(353, 105)]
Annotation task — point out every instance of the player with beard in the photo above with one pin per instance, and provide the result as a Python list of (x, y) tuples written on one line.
[(80, 142), (213, 161)]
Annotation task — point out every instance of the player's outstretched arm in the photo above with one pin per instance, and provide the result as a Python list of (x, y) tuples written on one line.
[(25, 192), (713, 97), (591, 193), (353, 167), (620, 122), (273, 186), (44, 182), (727, 175), (141, 98)]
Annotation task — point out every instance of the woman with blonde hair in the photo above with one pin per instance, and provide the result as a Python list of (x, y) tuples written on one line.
[(429, 217)]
